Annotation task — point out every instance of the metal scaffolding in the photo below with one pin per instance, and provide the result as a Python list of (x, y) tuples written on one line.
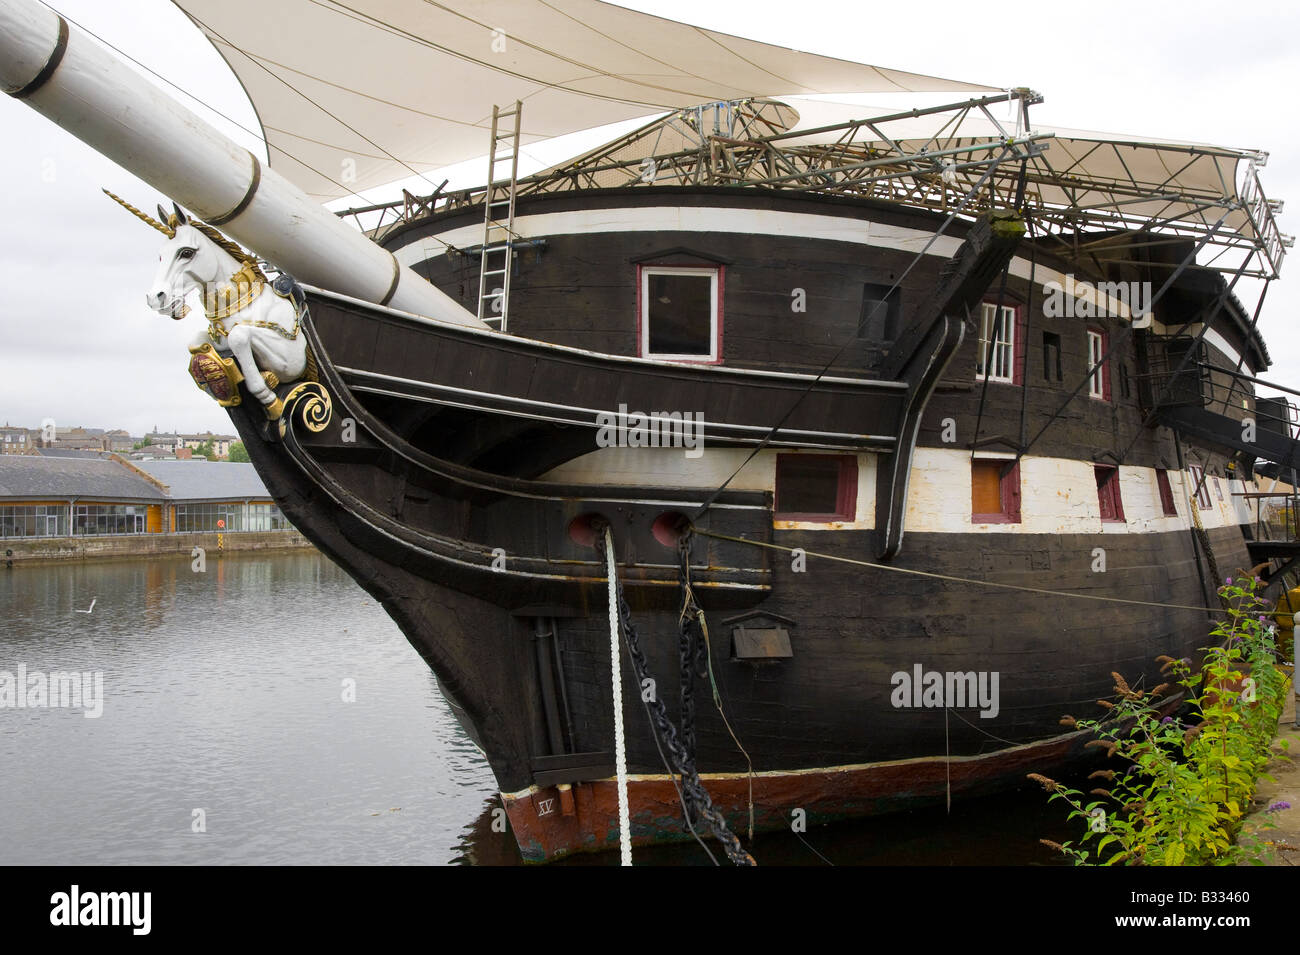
[(1103, 197)]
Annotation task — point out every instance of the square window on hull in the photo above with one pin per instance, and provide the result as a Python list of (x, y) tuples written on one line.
[(995, 491), (816, 487), (680, 313)]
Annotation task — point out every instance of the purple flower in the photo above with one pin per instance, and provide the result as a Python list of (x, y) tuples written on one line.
[(1167, 719), (1278, 806), (1228, 581)]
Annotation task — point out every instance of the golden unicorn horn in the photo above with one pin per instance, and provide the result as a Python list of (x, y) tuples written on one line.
[(170, 233)]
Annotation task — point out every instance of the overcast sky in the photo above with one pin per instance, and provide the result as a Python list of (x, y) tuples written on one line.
[(78, 345)]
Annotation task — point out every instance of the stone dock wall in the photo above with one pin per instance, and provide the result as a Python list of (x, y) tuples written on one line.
[(20, 551)]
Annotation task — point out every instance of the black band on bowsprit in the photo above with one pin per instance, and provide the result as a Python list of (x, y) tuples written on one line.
[(397, 275), (248, 195), (52, 64)]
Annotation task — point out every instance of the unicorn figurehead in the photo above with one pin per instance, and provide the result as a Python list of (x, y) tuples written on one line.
[(260, 331)]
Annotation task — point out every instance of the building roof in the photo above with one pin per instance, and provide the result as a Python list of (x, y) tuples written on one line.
[(36, 477), (207, 480), (71, 453)]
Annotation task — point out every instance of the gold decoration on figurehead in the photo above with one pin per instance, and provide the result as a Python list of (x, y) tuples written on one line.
[(173, 220), (215, 374), (165, 230)]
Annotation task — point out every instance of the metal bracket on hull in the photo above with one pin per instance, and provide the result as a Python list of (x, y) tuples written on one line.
[(922, 375), (920, 357)]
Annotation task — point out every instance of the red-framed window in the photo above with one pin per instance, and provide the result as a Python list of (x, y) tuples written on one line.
[(1199, 487), (679, 312), (1098, 369), (994, 491), (1000, 348), (816, 487), (1108, 496), (1167, 504)]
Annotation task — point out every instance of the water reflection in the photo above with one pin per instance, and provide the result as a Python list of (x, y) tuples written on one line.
[(224, 705), (224, 693)]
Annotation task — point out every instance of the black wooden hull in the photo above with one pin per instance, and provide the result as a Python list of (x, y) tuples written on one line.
[(468, 561)]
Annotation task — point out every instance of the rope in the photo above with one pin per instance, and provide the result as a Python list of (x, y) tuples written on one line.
[(667, 732), (616, 678), (959, 580), (813, 849), (947, 761)]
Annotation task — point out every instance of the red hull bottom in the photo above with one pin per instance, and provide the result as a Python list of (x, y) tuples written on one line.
[(555, 821)]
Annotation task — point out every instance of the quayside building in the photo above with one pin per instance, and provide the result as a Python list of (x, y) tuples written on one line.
[(77, 498)]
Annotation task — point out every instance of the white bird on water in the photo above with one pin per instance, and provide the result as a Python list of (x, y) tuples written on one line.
[(92, 606)]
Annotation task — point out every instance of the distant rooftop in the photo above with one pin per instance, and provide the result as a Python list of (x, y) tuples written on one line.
[(70, 453), (34, 477), (206, 480)]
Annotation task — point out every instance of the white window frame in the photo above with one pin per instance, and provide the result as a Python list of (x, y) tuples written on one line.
[(1003, 357), (1097, 380), (712, 273)]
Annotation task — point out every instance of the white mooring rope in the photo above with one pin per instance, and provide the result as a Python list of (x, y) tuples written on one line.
[(616, 679)]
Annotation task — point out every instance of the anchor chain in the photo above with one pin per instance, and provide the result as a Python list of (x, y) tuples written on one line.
[(695, 795), (690, 650)]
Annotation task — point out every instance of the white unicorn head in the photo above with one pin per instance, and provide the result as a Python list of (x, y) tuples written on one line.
[(187, 261)]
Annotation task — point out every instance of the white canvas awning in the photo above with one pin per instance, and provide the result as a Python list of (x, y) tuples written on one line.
[(353, 94)]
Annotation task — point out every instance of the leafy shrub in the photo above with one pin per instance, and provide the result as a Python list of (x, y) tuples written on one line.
[(1183, 790)]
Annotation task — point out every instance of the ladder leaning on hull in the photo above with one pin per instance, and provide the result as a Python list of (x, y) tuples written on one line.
[(497, 251)]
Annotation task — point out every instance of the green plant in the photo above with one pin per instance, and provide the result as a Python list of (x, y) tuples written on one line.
[(1181, 796)]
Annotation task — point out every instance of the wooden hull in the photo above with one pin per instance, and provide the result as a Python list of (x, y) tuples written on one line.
[(424, 534)]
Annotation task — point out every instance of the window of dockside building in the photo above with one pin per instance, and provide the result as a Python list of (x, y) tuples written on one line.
[(34, 520), (96, 519), (681, 312), (209, 517), (229, 518)]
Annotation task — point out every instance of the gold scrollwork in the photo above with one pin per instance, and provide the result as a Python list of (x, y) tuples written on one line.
[(311, 402)]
